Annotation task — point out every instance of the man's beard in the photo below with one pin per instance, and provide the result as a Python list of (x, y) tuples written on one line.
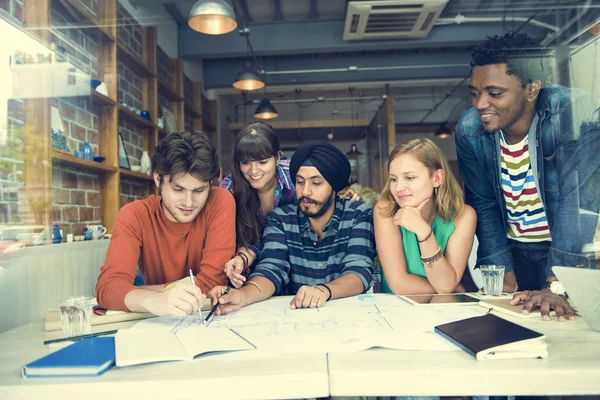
[(324, 206)]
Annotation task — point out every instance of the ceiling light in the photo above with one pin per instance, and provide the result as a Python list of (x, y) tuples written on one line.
[(443, 132), (265, 110), (213, 17), (248, 79)]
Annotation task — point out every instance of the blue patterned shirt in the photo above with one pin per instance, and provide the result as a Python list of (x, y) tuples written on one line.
[(285, 192), (292, 255)]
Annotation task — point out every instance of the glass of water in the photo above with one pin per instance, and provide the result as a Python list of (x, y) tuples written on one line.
[(493, 279), (76, 316)]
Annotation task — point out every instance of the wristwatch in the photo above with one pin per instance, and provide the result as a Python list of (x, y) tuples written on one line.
[(556, 287)]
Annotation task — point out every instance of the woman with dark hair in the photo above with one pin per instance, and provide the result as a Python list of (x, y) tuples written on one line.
[(260, 182)]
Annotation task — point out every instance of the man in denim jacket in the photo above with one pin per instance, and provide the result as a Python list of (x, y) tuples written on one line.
[(537, 149)]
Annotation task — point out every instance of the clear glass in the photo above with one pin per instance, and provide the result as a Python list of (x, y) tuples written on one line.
[(76, 316), (493, 279)]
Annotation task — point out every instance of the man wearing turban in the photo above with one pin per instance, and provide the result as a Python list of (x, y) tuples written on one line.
[(320, 249)]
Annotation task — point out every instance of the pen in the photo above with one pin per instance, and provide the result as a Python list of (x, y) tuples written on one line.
[(76, 338), (199, 308), (217, 304)]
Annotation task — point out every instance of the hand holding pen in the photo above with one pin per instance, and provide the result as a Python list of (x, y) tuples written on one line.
[(179, 298), (193, 280), (225, 299)]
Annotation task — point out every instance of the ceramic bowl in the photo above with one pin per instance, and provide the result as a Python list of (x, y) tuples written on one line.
[(99, 159), (136, 168), (78, 238)]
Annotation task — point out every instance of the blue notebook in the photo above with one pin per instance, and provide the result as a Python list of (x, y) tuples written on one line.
[(86, 357)]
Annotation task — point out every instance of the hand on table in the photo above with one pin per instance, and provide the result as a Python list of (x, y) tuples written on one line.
[(546, 301), (234, 269), (228, 302), (309, 297)]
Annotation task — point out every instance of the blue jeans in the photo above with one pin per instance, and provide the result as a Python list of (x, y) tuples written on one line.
[(530, 263)]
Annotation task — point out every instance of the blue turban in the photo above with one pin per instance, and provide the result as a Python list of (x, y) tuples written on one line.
[(327, 159)]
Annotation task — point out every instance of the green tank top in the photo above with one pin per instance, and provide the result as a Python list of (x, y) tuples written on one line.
[(412, 253)]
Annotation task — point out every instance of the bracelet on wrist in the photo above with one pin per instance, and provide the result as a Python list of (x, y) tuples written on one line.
[(257, 286), (428, 261), (245, 261), (427, 237), (328, 290)]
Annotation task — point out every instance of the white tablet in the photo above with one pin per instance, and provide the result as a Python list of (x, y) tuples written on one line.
[(454, 299)]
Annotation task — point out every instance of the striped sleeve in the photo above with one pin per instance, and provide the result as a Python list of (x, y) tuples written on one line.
[(360, 251), (274, 260)]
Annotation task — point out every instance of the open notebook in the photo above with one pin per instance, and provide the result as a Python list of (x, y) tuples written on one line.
[(492, 337), (136, 346)]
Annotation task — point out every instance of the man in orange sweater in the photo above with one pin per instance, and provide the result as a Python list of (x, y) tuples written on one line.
[(191, 225)]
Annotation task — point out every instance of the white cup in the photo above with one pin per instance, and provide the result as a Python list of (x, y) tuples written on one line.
[(97, 231), (69, 237)]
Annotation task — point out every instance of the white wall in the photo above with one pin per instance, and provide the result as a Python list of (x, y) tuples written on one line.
[(36, 278), (585, 68)]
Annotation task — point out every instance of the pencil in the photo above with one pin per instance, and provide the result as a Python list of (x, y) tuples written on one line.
[(217, 304), (199, 308), (76, 338)]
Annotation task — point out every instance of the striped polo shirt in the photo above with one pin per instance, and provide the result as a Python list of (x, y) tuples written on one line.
[(292, 255), (526, 218)]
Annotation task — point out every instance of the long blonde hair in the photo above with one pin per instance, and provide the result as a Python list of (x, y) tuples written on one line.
[(449, 200)]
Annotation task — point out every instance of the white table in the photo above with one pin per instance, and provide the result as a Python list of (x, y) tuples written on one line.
[(572, 368), (211, 378)]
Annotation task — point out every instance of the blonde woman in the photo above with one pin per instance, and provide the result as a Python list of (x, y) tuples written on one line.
[(423, 230)]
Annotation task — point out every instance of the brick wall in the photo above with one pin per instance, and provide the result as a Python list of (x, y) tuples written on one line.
[(129, 30), (81, 47), (76, 198), (130, 87), (165, 66), (12, 9), (132, 190)]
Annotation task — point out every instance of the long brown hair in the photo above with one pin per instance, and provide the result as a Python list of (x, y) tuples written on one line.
[(257, 141), (449, 200)]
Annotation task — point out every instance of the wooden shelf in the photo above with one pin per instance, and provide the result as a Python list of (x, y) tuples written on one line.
[(137, 175), (134, 62), (191, 111), (167, 90), (102, 100), (87, 19), (71, 159), (135, 119)]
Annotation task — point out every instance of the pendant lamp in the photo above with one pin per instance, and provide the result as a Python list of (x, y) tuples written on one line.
[(265, 110), (213, 17)]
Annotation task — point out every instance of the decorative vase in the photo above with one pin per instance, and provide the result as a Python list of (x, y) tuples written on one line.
[(86, 151), (145, 163)]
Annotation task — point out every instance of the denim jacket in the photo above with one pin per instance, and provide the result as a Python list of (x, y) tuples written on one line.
[(564, 148)]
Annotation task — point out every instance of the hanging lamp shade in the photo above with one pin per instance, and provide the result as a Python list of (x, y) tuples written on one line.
[(248, 79), (213, 17), (265, 110), (443, 132)]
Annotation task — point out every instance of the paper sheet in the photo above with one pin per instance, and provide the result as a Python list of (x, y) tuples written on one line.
[(344, 325)]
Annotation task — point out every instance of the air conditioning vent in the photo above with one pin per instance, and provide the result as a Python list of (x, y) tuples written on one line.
[(391, 19)]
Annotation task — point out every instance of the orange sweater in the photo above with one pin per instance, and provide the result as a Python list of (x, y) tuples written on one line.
[(165, 251)]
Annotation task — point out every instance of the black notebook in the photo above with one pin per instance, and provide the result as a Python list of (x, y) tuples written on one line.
[(492, 337)]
